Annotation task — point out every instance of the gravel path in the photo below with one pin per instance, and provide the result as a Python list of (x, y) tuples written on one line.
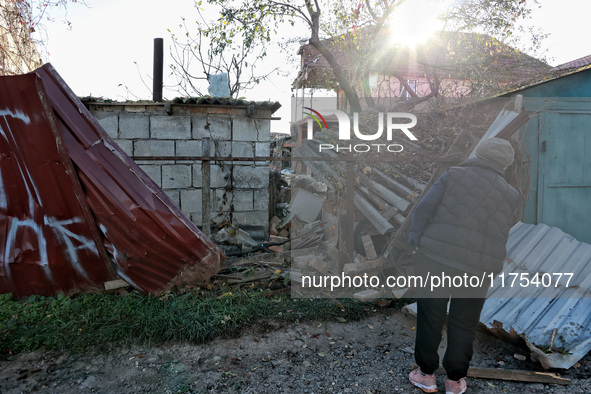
[(369, 356)]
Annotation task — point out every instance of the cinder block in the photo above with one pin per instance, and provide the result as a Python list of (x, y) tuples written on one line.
[(262, 149), (197, 175), (108, 121), (188, 148), (133, 126), (261, 199), (223, 149), (221, 200), (251, 177), (174, 196), (242, 149), (197, 219), (154, 172), (170, 127), (219, 128), (191, 201), (176, 176), (252, 218), (218, 219), (218, 176), (126, 145), (242, 200), (245, 129), (153, 148)]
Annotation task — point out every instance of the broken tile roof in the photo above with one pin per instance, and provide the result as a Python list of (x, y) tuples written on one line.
[(207, 100), (580, 62), (445, 52), (204, 100)]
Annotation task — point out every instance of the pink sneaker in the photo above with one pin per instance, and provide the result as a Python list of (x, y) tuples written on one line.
[(425, 382), (453, 387)]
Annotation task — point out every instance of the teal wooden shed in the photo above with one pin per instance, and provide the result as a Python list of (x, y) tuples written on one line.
[(557, 141)]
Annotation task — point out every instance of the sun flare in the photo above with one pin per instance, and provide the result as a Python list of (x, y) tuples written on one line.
[(415, 21)]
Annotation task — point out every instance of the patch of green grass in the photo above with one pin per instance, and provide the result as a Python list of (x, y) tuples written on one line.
[(97, 321)]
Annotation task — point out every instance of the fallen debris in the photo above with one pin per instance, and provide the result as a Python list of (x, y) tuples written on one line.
[(115, 284), (367, 295), (514, 375)]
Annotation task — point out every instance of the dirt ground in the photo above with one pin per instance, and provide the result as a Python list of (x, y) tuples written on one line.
[(368, 356)]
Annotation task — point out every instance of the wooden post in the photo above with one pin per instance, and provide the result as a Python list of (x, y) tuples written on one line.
[(205, 190), (347, 218), (518, 103)]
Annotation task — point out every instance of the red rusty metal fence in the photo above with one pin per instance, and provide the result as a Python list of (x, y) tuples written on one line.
[(70, 198)]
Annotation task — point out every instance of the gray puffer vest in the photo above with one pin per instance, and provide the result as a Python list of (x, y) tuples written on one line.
[(471, 225)]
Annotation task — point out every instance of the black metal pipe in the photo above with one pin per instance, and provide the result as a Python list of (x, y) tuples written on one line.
[(158, 69)]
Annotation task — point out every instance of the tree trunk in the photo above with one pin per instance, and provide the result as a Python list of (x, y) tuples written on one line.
[(337, 70), (339, 74)]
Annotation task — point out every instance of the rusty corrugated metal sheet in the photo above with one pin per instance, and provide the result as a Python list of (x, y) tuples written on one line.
[(70, 198), (49, 242), (154, 245), (541, 314)]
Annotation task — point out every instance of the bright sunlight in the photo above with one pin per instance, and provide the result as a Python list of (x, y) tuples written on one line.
[(415, 21)]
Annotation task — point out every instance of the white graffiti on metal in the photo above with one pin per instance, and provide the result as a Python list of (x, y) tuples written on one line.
[(71, 242)]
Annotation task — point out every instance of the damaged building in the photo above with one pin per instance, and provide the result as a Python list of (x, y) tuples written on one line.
[(547, 122)]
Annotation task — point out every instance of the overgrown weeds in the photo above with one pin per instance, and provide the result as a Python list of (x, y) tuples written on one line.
[(90, 322)]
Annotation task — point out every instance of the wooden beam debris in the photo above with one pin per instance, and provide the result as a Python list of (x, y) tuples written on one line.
[(515, 375), (370, 250), (115, 284)]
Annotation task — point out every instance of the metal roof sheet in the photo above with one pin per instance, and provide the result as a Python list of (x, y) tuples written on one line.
[(48, 240), (543, 315), (153, 244), (62, 178)]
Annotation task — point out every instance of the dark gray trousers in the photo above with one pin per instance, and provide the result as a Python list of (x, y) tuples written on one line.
[(464, 315)]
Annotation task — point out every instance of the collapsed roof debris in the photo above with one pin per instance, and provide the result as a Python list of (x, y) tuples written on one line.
[(385, 186), (69, 196), (552, 318), (554, 323)]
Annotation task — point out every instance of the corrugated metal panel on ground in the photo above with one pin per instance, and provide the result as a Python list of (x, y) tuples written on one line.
[(542, 314), (154, 245), (46, 248), (48, 240)]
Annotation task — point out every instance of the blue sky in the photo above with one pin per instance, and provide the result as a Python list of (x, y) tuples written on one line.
[(108, 51)]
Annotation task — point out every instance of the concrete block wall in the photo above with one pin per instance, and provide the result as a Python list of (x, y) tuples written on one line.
[(239, 189)]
